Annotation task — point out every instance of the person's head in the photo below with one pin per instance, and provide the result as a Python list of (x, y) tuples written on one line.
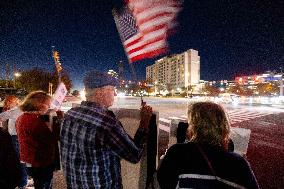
[(208, 124), (99, 88), (37, 101), (10, 102)]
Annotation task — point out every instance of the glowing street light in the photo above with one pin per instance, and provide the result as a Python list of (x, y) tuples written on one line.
[(16, 75)]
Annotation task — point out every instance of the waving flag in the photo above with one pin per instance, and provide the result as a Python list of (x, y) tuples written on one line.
[(144, 26), (155, 14)]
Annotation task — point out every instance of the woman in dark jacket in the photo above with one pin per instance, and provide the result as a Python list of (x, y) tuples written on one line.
[(10, 167), (205, 161)]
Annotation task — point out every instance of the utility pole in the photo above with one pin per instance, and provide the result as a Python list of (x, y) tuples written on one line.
[(281, 83), (1, 73), (14, 75), (7, 74), (50, 85)]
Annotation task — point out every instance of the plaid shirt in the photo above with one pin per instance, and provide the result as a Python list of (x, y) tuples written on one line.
[(93, 142)]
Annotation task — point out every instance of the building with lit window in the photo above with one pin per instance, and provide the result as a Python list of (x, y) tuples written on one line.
[(178, 70), (113, 73), (268, 77), (261, 78)]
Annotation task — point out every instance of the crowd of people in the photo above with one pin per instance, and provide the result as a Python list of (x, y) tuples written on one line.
[(92, 142)]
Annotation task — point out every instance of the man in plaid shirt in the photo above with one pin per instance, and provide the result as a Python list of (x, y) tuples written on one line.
[(93, 141)]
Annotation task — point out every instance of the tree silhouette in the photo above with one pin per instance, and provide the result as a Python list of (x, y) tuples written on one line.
[(38, 79)]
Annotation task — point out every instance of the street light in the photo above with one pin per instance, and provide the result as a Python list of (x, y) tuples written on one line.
[(281, 84), (16, 75)]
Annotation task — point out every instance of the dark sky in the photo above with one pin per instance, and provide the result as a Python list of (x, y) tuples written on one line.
[(233, 37)]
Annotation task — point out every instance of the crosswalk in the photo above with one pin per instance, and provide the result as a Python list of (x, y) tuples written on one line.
[(240, 115), (235, 116)]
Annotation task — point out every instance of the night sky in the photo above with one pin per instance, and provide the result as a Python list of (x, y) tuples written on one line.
[(233, 37)]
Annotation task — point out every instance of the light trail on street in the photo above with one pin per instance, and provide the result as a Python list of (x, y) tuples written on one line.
[(177, 107)]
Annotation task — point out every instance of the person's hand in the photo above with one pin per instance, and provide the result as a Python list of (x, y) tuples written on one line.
[(145, 113)]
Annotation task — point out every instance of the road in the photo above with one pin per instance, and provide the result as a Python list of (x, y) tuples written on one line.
[(176, 107), (266, 122)]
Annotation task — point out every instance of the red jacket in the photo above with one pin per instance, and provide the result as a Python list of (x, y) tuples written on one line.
[(37, 142)]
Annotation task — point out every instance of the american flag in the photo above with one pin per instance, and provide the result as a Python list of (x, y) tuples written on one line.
[(144, 27)]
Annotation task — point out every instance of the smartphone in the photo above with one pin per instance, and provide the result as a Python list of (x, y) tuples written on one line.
[(45, 118)]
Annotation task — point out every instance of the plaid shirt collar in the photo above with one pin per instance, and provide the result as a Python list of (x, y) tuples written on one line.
[(93, 104)]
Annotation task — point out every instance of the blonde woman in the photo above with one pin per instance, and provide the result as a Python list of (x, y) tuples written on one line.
[(205, 162), (37, 140)]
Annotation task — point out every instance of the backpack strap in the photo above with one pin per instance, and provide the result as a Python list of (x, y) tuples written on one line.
[(226, 182), (206, 159)]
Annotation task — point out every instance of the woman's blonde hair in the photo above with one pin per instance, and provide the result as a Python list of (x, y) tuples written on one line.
[(34, 101), (208, 124), (8, 102)]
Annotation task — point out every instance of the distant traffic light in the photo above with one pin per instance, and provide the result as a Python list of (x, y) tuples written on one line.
[(58, 67), (56, 56), (57, 61)]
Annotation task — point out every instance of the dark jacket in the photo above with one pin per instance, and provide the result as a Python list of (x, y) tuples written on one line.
[(187, 160), (10, 167)]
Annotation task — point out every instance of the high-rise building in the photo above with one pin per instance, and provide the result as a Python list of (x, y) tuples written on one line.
[(178, 70), (121, 71)]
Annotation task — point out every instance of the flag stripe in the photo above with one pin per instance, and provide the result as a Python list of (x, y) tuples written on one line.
[(148, 39), (149, 54), (133, 40), (155, 12), (154, 19), (148, 48)]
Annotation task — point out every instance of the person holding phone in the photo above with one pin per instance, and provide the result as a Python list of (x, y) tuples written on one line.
[(37, 138)]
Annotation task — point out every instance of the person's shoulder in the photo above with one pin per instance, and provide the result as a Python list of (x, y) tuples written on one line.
[(181, 147), (27, 118), (236, 159), (26, 115), (18, 110), (234, 155), (22, 116), (109, 120), (86, 109), (79, 111)]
